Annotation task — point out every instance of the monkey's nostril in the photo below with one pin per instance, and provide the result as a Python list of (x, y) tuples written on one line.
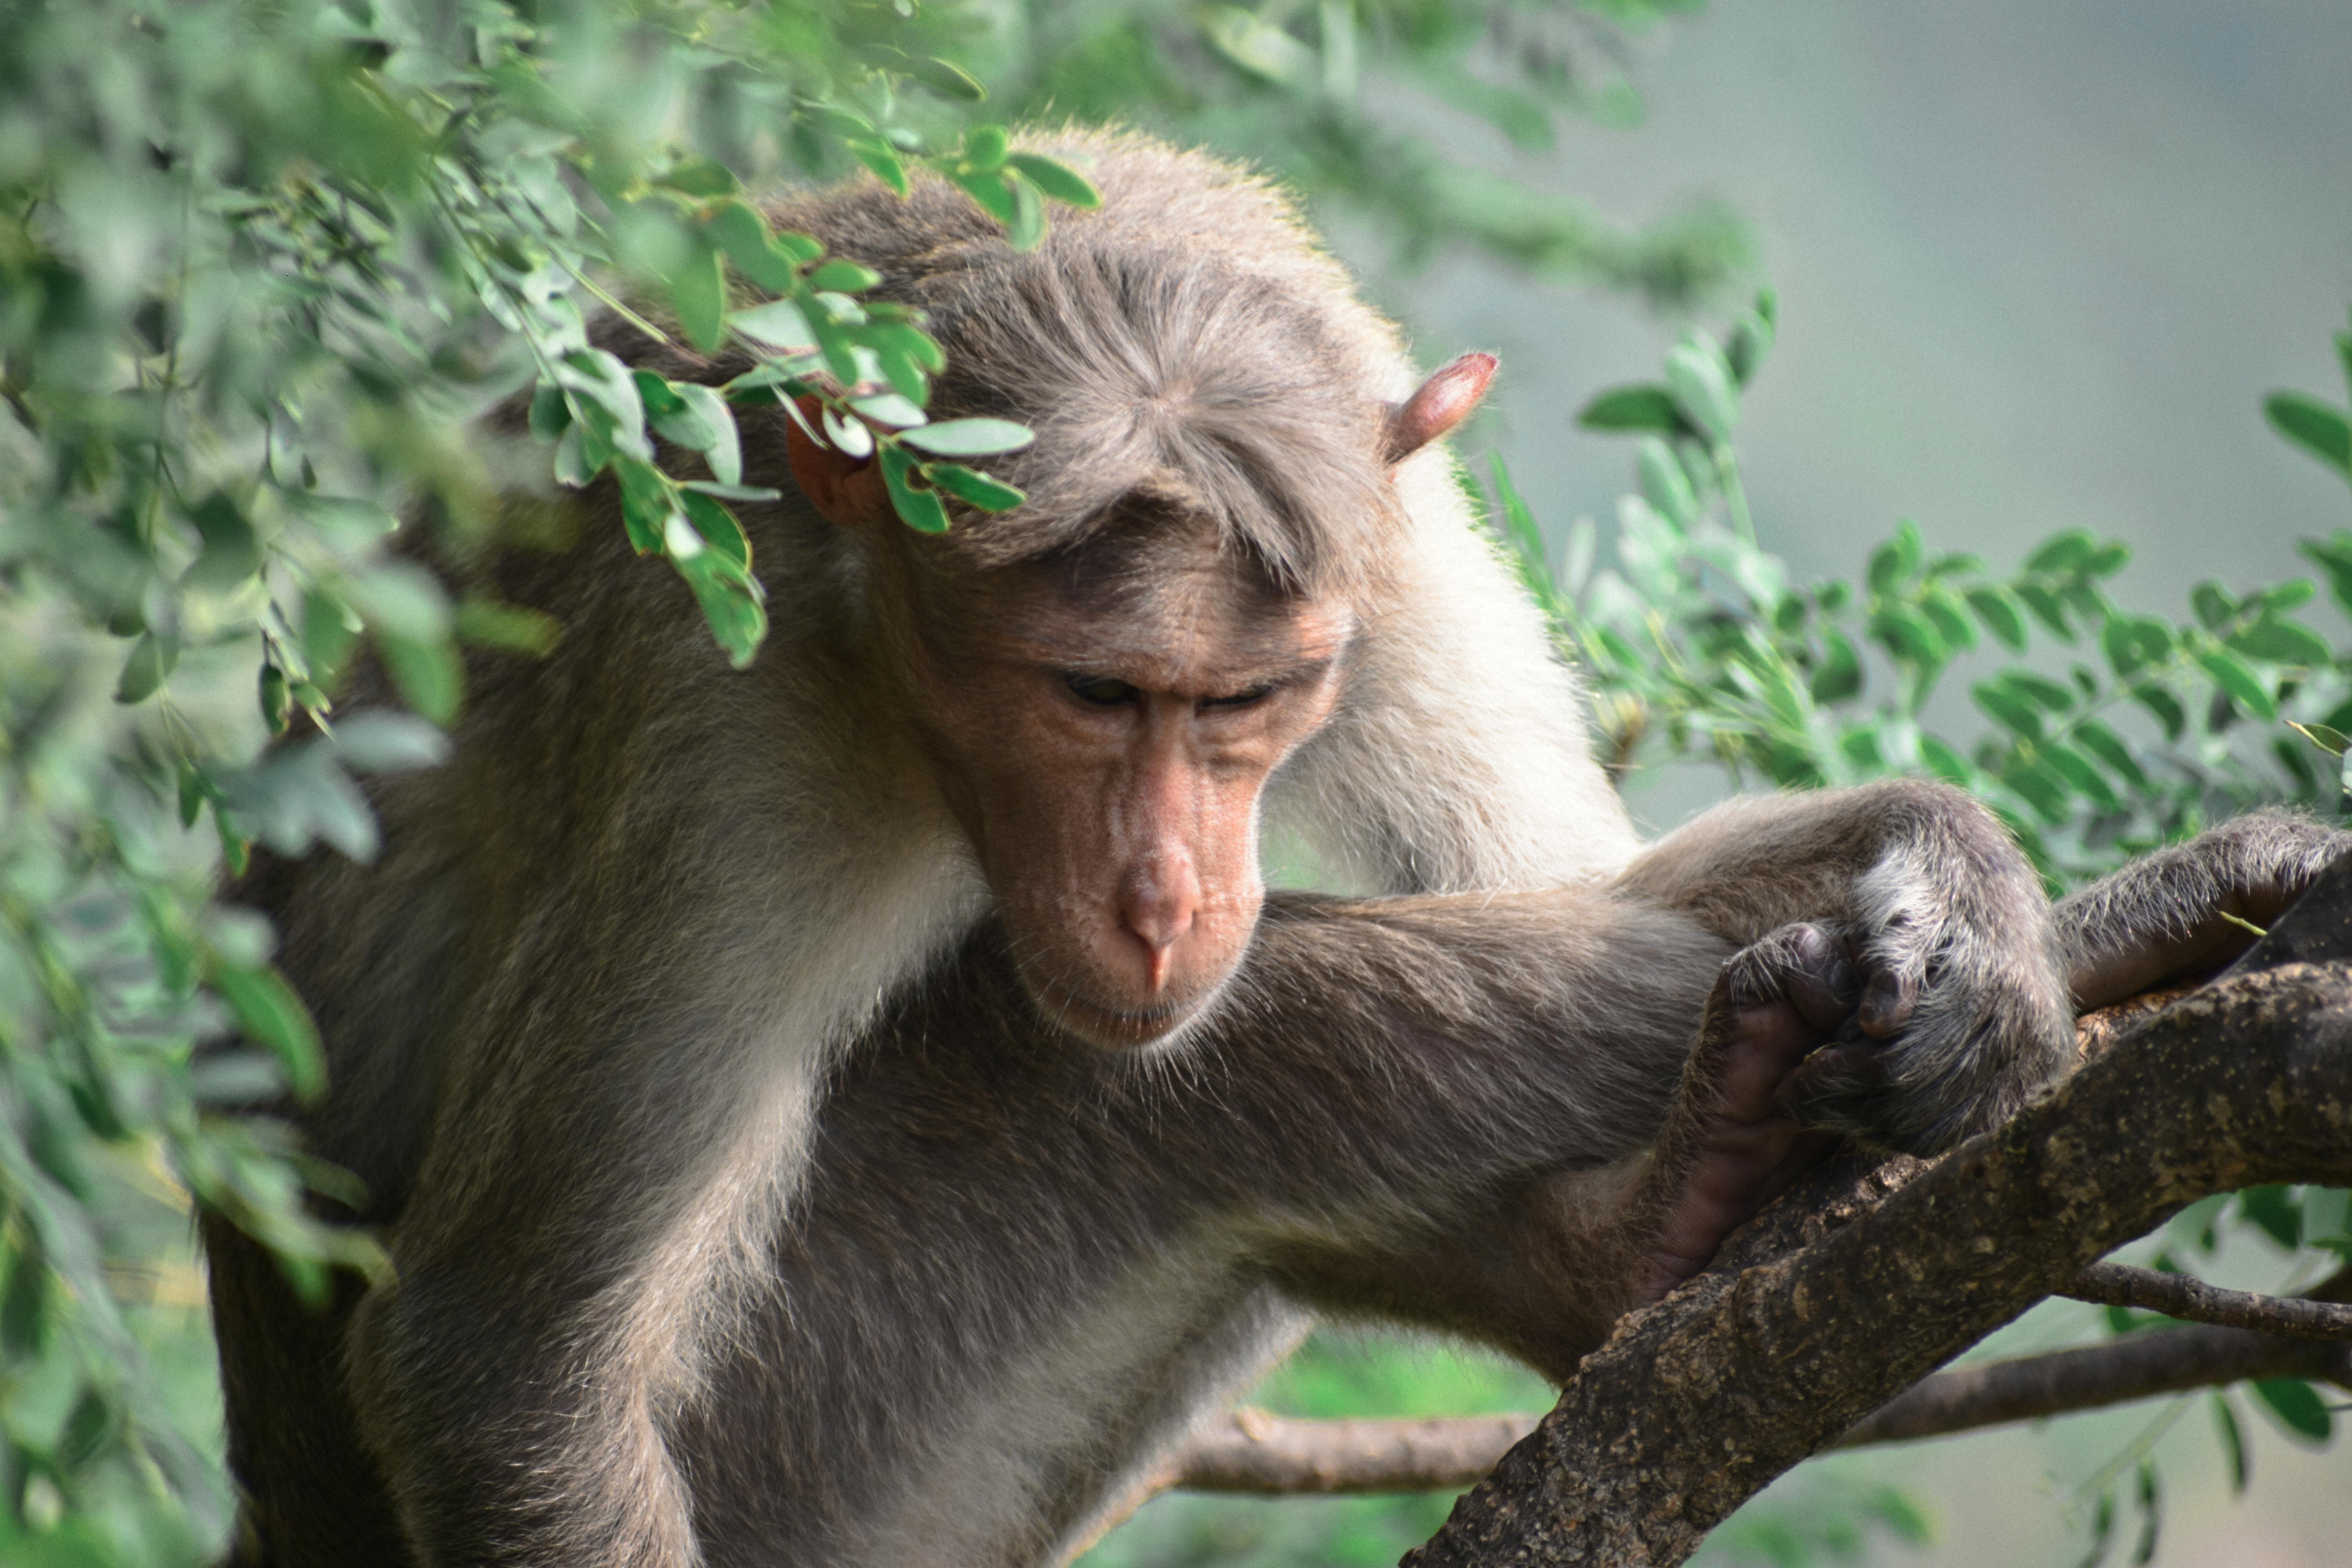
[(1159, 911)]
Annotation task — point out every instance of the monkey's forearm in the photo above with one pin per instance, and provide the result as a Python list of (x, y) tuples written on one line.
[(2188, 909), (1752, 865)]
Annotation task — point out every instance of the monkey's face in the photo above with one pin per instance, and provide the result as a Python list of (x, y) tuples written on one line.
[(1106, 754)]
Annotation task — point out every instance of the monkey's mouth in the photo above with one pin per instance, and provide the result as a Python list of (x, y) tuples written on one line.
[(1116, 1028)]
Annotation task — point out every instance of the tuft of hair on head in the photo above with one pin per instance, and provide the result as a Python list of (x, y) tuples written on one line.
[(1187, 351)]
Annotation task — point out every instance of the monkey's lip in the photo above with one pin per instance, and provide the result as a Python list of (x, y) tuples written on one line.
[(1119, 1027)]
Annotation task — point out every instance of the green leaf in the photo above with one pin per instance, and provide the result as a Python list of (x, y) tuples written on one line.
[(2048, 608), (2297, 1407), (1058, 181), (231, 552), (1751, 340), (700, 292), (427, 673), (549, 415), (1907, 635), (1257, 46), (152, 658), (888, 408), (1839, 674), (2282, 642), (717, 527), (2107, 746), (2233, 1442), (779, 323), (489, 623), (973, 487), (879, 157), (2334, 555), (1896, 561), (723, 447), (969, 437), (1664, 483), (843, 277), (2315, 426), (1947, 763), (994, 196), (2244, 687), (2044, 788), (1026, 232), (2133, 642), (269, 1015), (1636, 408), (945, 78), (2160, 701), (1941, 606), (700, 177), (2077, 771), (646, 502), (918, 508), (984, 146), (1703, 387), (2008, 708), (1998, 610), (742, 233), (2273, 1210), (2063, 554), (2332, 740), (277, 699)]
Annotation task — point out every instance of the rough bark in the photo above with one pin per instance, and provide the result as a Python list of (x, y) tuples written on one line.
[(1697, 1402)]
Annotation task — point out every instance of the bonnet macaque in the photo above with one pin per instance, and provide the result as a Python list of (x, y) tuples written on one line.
[(856, 1111)]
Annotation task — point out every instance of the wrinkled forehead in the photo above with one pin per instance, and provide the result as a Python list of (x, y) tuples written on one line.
[(1172, 593)]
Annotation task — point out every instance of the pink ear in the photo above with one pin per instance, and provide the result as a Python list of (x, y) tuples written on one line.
[(1443, 401)]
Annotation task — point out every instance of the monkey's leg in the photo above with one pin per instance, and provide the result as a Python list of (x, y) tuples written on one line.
[(2178, 912), (1730, 1141)]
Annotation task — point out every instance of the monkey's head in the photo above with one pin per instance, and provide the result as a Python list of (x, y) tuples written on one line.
[(1104, 712)]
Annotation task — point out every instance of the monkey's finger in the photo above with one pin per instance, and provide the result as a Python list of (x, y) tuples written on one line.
[(1803, 965), (1834, 1076), (1887, 1000)]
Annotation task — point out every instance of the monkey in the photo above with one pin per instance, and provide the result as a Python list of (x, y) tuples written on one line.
[(859, 1110)]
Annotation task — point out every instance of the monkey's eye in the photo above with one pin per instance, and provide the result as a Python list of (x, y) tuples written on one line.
[(1102, 690), (1239, 698)]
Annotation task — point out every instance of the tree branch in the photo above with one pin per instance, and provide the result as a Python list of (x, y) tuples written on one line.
[(1250, 1451), (1699, 1402), (2193, 1301), (2163, 1362)]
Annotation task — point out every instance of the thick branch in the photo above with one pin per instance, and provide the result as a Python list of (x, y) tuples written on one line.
[(2179, 1296), (1696, 1403)]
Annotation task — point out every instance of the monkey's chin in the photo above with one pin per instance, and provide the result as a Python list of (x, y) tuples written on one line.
[(1153, 1028)]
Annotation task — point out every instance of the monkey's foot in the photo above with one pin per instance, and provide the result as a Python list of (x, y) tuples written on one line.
[(1729, 1144)]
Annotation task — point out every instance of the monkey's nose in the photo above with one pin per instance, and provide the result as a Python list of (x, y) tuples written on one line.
[(1158, 907)]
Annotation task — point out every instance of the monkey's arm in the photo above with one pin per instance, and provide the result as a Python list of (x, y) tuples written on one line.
[(2178, 912), (1964, 1007), (1486, 1156)]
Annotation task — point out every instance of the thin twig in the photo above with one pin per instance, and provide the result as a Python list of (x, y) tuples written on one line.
[(2193, 1301)]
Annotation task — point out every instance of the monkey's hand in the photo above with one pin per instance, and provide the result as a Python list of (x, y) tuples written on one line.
[(1960, 995), (1730, 1141), (2185, 912)]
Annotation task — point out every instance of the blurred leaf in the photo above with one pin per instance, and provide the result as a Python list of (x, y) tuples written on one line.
[(972, 488), (969, 437), (1059, 182), (1636, 408), (1702, 386), (2315, 426), (2244, 687), (2296, 1407), (273, 1017), (2233, 1443), (2274, 1209), (699, 290)]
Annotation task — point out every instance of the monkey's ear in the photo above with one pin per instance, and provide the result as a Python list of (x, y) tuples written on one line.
[(1443, 401), (844, 489)]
